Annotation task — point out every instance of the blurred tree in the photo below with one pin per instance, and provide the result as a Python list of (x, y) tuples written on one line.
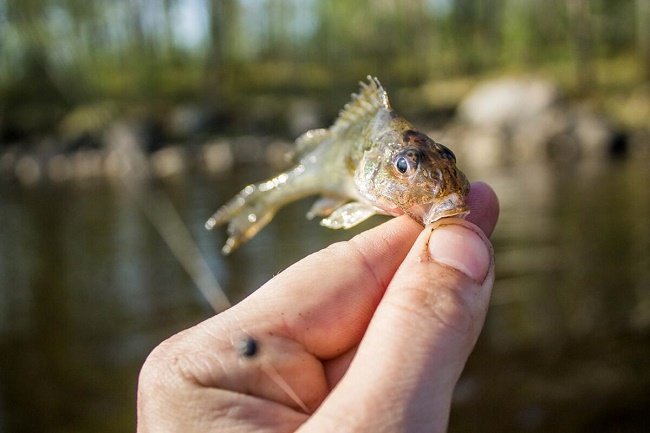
[(643, 35), (223, 25), (32, 81), (168, 25), (581, 32)]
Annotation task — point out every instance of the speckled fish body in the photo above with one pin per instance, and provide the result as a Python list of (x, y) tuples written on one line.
[(370, 161)]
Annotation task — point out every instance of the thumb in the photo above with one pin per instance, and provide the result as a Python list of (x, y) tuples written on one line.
[(416, 345)]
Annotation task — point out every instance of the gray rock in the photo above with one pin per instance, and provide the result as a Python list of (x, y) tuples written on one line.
[(507, 102)]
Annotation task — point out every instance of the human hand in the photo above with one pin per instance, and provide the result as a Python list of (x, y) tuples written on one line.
[(366, 335)]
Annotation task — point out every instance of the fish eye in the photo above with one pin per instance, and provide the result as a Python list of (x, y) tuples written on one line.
[(401, 165), (407, 161)]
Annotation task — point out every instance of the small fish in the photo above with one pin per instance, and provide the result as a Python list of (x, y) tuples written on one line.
[(370, 161)]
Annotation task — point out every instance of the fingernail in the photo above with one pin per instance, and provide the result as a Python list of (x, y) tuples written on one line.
[(461, 248)]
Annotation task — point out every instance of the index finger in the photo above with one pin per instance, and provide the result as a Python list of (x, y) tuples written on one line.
[(326, 300)]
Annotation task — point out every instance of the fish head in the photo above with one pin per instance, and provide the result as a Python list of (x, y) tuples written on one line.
[(408, 172)]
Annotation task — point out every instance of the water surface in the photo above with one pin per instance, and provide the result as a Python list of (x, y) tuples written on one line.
[(88, 287)]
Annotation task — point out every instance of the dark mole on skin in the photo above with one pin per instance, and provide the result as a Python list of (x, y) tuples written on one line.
[(247, 347)]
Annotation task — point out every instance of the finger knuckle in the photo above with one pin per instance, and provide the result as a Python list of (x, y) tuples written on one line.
[(163, 367)]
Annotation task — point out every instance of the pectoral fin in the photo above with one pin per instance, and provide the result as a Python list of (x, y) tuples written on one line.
[(348, 215), (324, 206)]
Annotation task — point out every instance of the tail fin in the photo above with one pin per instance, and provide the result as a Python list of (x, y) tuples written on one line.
[(246, 214)]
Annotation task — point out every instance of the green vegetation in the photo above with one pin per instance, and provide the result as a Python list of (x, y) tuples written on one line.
[(57, 54)]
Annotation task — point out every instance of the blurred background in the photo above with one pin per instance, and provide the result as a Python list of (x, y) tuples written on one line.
[(125, 124)]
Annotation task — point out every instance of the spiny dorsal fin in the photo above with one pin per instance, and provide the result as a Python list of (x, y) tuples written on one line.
[(371, 97)]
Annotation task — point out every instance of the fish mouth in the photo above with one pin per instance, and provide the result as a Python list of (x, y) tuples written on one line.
[(447, 206)]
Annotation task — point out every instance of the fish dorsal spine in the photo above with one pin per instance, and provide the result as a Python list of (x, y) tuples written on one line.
[(363, 106)]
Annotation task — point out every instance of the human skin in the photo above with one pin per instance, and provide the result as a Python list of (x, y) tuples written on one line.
[(370, 334)]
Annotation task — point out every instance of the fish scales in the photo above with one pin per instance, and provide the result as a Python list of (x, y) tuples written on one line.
[(370, 161)]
